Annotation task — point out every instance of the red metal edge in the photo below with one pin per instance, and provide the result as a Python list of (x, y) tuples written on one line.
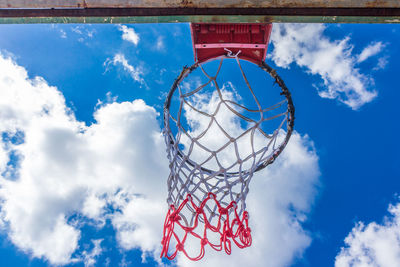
[(193, 42), (208, 40), (267, 37)]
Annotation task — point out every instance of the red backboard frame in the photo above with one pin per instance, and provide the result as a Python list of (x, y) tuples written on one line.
[(210, 40)]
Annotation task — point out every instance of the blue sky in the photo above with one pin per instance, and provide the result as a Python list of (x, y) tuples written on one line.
[(76, 174)]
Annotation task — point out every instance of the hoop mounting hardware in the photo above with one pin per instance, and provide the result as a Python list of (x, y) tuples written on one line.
[(209, 40)]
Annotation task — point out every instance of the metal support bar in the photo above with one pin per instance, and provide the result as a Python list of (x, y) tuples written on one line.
[(185, 14), (26, 4)]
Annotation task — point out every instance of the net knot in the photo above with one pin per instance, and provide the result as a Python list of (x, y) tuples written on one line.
[(180, 247), (228, 233), (204, 242), (223, 211), (174, 217), (199, 210)]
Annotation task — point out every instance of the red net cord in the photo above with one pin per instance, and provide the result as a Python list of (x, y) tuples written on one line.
[(236, 230)]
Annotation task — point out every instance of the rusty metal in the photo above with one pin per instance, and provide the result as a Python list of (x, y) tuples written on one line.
[(152, 11), (198, 19), (26, 4), (132, 12)]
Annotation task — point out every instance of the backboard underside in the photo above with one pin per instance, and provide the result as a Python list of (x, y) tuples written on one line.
[(217, 11)]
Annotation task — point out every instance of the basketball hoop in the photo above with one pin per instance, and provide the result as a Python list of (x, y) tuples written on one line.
[(210, 199)]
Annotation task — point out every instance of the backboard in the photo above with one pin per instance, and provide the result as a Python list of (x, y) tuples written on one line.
[(216, 11)]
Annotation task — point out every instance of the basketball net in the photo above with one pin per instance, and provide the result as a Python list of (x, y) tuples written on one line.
[(208, 204)]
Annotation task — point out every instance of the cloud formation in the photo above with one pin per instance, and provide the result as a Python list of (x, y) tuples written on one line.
[(370, 51), (85, 32), (116, 169), (160, 45), (35, 215), (333, 61), (135, 72), (373, 244), (89, 258), (129, 34), (68, 168)]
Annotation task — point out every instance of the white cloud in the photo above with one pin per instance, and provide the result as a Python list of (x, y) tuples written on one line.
[(90, 33), (306, 45), (370, 51), (382, 63), (3, 158), (89, 258), (70, 168), (135, 72), (84, 32), (109, 99), (77, 30), (160, 45), (373, 244), (129, 34), (93, 206), (148, 217), (63, 34)]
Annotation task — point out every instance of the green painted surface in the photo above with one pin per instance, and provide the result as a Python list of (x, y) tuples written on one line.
[(176, 19)]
